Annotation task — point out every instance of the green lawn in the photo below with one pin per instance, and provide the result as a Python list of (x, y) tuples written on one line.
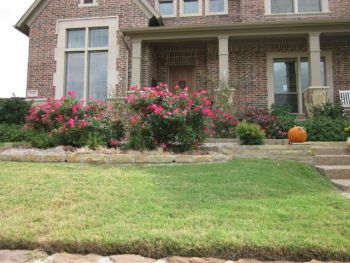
[(246, 208)]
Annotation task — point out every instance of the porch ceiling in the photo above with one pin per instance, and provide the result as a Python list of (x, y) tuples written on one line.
[(267, 29)]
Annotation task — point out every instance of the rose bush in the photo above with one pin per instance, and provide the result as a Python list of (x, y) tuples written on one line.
[(159, 118), (269, 122), (68, 121), (224, 124)]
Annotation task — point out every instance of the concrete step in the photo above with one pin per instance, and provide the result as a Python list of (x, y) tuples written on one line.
[(332, 151), (335, 171), (332, 160), (343, 185)]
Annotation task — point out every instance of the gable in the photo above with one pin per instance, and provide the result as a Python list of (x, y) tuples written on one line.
[(34, 10)]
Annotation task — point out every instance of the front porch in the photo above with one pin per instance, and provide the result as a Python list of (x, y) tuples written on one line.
[(260, 67)]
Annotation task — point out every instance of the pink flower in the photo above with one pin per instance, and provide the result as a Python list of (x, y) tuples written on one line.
[(75, 108), (207, 112), (60, 118), (164, 146), (114, 142), (72, 93), (71, 123)]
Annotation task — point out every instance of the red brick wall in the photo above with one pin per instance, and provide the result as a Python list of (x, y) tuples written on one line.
[(43, 38)]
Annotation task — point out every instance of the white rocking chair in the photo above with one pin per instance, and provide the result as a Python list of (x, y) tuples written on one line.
[(344, 96)]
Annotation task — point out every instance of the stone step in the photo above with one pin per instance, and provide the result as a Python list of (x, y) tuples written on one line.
[(335, 171), (342, 184), (332, 160), (332, 151)]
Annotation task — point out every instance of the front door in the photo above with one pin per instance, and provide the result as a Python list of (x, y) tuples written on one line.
[(183, 76)]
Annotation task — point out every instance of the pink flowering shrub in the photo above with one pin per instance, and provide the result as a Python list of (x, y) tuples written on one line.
[(270, 123), (159, 118), (224, 124), (68, 121)]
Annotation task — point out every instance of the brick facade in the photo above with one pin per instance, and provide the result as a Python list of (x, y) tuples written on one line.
[(247, 58)]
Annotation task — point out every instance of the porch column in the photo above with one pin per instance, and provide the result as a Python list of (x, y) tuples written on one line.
[(223, 59), (136, 62), (315, 59), (316, 94)]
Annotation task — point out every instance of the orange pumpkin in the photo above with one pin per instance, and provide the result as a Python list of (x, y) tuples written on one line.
[(297, 134)]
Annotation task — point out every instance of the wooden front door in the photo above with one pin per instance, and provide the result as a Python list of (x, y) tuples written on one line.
[(183, 76)]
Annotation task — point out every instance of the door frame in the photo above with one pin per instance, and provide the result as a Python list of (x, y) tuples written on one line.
[(297, 55), (183, 65)]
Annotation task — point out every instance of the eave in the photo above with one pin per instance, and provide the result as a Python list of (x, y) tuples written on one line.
[(240, 29)]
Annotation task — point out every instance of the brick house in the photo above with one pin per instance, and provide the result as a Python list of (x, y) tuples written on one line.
[(265, 51)]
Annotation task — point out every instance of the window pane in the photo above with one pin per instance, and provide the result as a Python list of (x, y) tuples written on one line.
[(98, 71), (290, 100), (166, 7), (75, 73), (285, 76), (76, 38), (99, 37), (88, 1), (309, 5), (282, 6), (190, 6), (216, 6)]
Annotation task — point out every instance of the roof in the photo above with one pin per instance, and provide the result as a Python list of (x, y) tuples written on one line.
[(34, 10)]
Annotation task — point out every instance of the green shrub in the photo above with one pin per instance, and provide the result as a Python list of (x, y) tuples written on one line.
[(250, 134), (14, 110), (12, 133), (325, 128), (285, 117), (42, 140), (328, 110)]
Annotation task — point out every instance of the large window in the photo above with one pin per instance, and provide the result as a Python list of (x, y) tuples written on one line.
[(167, 7), (216, 7), (296, 6), (87, 62), (291, 79)]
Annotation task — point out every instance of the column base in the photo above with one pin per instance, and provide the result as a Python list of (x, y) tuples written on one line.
[(315, 96)]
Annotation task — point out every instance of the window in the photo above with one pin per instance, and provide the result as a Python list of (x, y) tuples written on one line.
[(191, 7), (167, 7), (216, 7), (87, 62), (295, 6), (289, 78), (88, 3)]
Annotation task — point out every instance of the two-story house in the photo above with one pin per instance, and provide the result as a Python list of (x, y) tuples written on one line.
[(266, 51)]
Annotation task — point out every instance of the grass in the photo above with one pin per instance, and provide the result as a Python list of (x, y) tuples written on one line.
[(246, 208)]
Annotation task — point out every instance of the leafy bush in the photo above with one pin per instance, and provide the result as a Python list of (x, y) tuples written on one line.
[(328, 110), (250, 134), (272, 124), (161, 118), (42, 140), (285, 117), (325, 128), (12, 133), (14, 110), (224, 124), (70, 122)]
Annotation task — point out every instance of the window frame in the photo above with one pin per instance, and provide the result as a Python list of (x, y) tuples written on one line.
[(82, 4), (324, 9), (86, 50), (174, 14), (209, 13), (327, 55), (182, 9), (59, 78)]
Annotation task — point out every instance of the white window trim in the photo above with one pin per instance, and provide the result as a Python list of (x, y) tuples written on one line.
[(82, 4), (182, 10), (208, 13), (324, 9), (60, 51), (297, 55), (175, 9)]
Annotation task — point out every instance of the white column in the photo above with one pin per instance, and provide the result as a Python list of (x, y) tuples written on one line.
[(223, 59), (136, 62), (315, 60)]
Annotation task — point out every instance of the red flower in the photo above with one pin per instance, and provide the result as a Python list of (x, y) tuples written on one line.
[(72, 93)]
